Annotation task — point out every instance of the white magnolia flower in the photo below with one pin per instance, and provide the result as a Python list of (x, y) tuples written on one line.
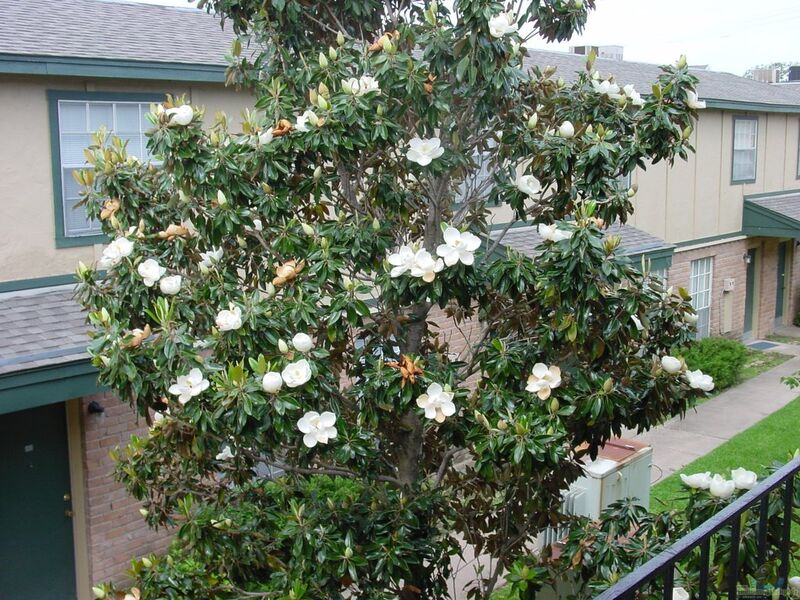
[(302, 342), (794, 583), (318, 428), (401, 261), (679, 593), (423, 150), (721, 487), (210, 257), (425, 266), (528, 184), (606, 88), (297, 373), (271, 382), (744, 479), (502, 24), (159, 418), (113, 253), (551, 233), (229, 319), (698, 481), (437, 403), (699, 380), (258, 225), (690, 318), (634, 96), (567, 130), (265, 137), (693, 102), (180, 115), (170, 285), (150, 271), (543, 380), (225, 454), (671, 364), (363, 85), (307, 118), (458, 247), (189, 386)]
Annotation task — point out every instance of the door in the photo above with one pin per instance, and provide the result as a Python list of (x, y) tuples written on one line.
[(750, 293), (37, 559), (780, 288)]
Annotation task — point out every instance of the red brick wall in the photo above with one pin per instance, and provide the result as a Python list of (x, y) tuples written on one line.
[(729, 263), (116, 532)]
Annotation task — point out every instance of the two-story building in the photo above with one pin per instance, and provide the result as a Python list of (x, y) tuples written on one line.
[(724, 223), (66, 69)]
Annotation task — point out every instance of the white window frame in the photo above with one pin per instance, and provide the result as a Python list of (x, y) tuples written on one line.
[(701, 280), (64, 166), (744, 150)]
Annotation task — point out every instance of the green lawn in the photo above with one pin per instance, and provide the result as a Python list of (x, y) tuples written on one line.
[(783, 339), (772, 438)]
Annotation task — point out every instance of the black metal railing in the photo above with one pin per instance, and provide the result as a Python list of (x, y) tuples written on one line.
[(663, 565)]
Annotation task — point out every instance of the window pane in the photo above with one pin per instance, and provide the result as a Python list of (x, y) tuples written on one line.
[(127, 118), (700, 288), (72, 116), (100, 115), (72, 147), (75, 219)]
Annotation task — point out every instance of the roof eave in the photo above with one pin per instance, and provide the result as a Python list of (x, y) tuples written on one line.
[(67, 66), (752, 106)]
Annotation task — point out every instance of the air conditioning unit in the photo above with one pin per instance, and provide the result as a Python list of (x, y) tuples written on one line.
[(621, 470)]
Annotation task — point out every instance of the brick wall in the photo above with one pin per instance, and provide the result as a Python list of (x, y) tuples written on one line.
[(116, 532), (729, 263)]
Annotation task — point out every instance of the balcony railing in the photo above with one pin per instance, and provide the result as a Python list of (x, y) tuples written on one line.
[(663, 565)]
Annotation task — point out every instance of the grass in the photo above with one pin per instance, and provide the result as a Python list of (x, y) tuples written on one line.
[(784, 339), (774, 438)]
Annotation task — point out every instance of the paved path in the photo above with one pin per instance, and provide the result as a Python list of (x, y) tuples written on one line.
[(680, 441)]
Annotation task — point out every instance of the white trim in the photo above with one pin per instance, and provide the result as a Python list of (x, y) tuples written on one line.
[(736, 238)]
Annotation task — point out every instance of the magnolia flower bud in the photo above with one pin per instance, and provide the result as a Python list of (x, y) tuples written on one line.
[(82, 269), (323, 104), (221, 199), (270, 289), (323, 90), (313, 96), (98, 592), (332, 54), (561, 82), (519, 428), (533, 120), (577, 4), (682, 61), (589, 129), (632, 191), (348, 552), (283, 348), (241, 242), (324, 242), (340, 39), (376, 225), (143, 512), (307, 229), (318, 172), (554, 406), (502, 425), (147, 562), (313, 118), (380, 110), (323, 62), (388, 47)]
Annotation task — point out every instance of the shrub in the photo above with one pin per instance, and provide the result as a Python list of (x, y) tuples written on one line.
[(721, 358)]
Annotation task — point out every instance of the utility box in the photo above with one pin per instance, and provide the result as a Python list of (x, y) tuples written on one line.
[(621, 470)]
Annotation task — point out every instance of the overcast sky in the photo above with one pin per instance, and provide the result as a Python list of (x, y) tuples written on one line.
[(727, 35)]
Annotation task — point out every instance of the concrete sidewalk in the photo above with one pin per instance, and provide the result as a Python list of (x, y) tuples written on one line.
[(680, 441)]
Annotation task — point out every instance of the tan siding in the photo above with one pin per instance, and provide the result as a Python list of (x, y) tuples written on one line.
[(27, 227)]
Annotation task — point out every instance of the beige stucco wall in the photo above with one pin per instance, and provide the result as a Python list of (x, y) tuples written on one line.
[(695, 199), (27, 226)]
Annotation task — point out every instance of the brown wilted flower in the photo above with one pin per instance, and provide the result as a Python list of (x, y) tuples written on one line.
[(428, 85), (386, 37), (138, 336), (110, 208), (408, 369), (283, 128), (174, 231), (287, 272)]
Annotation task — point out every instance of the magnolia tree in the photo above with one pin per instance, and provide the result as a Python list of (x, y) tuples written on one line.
[(272, 300)]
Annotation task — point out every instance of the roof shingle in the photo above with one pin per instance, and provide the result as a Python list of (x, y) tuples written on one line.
[(41, 327)]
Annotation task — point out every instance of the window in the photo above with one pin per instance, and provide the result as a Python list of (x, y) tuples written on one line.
[(74, 118), (745, 142), (700, 289)]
